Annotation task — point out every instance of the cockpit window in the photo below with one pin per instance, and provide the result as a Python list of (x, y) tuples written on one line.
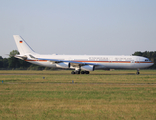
[(146, 59)]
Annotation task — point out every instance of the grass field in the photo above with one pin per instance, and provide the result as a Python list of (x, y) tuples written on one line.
[(115, 95)]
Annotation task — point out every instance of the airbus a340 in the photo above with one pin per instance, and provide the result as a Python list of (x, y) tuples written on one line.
[(81, 64)]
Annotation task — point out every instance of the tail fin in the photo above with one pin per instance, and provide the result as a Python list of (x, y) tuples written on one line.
[(22, 46)]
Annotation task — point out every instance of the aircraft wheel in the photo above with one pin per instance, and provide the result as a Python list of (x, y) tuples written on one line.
[(82, 72), (72, 72), (77, 72), (87, 72), (138, 73)]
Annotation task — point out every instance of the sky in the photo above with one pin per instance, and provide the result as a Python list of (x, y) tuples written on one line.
[(80, 27)]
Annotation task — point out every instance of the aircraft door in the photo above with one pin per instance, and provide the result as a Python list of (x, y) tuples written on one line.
[(137, 62), (132, 63)]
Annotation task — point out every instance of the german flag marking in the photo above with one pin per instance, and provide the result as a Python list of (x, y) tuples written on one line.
[(21, 41)]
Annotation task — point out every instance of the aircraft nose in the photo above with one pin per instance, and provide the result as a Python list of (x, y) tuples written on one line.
[(151, 63)]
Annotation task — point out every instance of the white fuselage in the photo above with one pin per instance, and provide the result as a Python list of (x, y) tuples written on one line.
[(79, 62), (100, 61)]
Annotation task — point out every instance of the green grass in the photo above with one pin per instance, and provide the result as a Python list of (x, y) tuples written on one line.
[(114, 95)]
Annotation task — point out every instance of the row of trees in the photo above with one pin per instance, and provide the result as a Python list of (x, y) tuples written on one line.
[(14, 63), (17, 64)]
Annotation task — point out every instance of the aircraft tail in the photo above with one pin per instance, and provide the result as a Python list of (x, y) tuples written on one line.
[(22, 46)]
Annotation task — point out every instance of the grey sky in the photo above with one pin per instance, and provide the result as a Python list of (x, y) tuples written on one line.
[(99, 27)]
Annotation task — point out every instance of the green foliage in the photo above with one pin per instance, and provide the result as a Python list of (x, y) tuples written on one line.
[(138, 53), (3, 62), (14, 63), (13, 53), (1, 58)]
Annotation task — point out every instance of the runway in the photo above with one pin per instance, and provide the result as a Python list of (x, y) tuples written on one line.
[(70, 74), (119, 78)]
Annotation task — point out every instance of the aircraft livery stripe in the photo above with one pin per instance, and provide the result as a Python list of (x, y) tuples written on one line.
[(93, 61)]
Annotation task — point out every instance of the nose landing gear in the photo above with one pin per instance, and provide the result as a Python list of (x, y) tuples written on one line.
[(137, 72)]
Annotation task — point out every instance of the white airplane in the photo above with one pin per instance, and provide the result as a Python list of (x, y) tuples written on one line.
[(81, 63)]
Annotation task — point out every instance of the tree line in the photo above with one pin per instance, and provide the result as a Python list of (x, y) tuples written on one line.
[(17, 64), (13, 63)]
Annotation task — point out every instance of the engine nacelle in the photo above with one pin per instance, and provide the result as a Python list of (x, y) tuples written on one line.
[(88, 67), (63, 65)]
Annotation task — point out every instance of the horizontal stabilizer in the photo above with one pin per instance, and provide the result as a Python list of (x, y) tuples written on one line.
[(24, 57)]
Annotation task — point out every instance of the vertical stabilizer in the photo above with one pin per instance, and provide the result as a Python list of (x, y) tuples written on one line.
[(22, 46)]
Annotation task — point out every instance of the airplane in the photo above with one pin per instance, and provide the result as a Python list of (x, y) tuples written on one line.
[(82, 64)]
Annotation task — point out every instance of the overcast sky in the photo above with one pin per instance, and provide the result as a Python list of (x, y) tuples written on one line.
[(99, 27)]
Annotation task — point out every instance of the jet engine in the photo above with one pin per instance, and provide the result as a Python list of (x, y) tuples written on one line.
[(63, 65), (88, 67)]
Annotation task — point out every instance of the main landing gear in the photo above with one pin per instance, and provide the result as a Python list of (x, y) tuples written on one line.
[(137, 72), (80, 72)]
